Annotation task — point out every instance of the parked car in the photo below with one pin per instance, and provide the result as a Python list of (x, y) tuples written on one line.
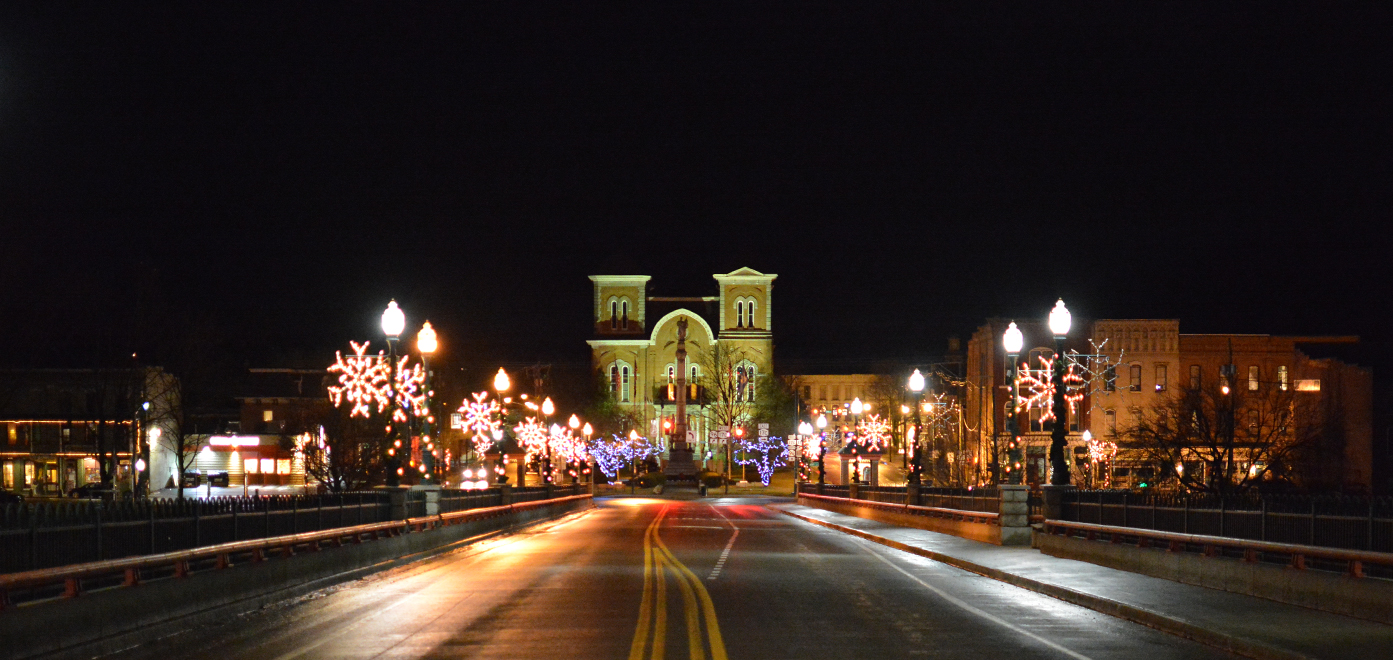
[(219, 479), (6, 497), (93, 490), (192, 479)]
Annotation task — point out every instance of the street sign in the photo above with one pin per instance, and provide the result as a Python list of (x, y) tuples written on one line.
[(764, 431), (763, 426)]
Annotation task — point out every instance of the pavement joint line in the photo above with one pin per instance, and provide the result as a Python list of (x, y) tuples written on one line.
[(1225, 642)]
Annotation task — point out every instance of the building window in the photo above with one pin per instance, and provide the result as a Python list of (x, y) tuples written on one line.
[(1194, 376), (750, 313), (1160, 378), (671, 383), (613, 314), (821, 396), (739, 313), (1110, 419), (624, 385), (1136, 378), (1283, 378), (1110, 379), (1253, 373), (614, 379), (624, 319), (1253, 421), (807, 392), (267, 415)]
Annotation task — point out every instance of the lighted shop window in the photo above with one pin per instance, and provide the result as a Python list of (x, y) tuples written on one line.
[(1308, 385), (267, 415), (282, 466), (249, 466), (268, 465)]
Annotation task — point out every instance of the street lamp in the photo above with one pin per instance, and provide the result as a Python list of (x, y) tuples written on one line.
[(916, 385), (805, 433), (393, 322), (426, 343), (821, 451), (1013, 341), (1059, 326), (548, 408)]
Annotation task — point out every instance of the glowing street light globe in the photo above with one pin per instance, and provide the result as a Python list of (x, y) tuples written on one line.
[(548, 407), (501, 382), (916, 381), (856, 406), (587, 429), (425, 339), (574, 422), (805, 428), (1013, 339), (393, 320), (1060, 319), (821, 422)]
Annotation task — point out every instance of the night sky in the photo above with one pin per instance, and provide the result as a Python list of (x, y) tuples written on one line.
[(269, 176)]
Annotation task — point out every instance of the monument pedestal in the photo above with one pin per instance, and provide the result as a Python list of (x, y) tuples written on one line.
[(680, 468)]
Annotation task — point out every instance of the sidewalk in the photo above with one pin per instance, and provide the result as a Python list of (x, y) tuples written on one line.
[(1245, 625)]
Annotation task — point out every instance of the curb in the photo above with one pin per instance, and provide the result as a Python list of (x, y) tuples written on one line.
[(1152, 619)]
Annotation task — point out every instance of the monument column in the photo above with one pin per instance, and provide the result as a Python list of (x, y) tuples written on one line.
[(680, 466)]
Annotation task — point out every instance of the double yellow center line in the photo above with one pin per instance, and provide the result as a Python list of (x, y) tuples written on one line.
[(652, 613)]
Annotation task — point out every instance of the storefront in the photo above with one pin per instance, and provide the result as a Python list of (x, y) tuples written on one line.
[(250, 460)]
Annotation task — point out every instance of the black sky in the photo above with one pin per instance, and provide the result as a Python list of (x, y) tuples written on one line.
[(279, 171)]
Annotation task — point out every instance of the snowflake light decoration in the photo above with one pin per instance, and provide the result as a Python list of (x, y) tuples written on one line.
[(874, 433), (479, 417), (1037, 388), (532, 435), (363, 380)]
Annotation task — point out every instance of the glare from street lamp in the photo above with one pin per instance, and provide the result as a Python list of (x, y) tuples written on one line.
[(1060, 319), (393, 320), (821, 422), (856, 407), (1013, 339), (425, 339), (633, 435), (501, 382), (548, 407), (574, 422), (805, 428), (916, 381), (587, 429)]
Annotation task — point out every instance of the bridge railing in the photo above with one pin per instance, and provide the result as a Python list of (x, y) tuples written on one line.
[(985, 499), (1353, 523), (72, 580)]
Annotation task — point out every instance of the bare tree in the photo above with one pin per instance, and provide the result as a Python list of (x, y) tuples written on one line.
[(730, 399), (1223, 439), (171, 428), (345, 453)]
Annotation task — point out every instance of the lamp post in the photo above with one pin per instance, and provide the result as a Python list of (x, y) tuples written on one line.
[(501, 384), (805, 433), (633, 460), (548, 408), (1012, 341), (1059, 326), (393, 322), (856, 409), (574, 423), (916, 385), (426, 343), (821, 452)]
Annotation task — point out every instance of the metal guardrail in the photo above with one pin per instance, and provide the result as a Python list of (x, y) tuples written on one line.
[(130, 571), (1294, 555), (987, 499), (988, 517), (1333, 522)]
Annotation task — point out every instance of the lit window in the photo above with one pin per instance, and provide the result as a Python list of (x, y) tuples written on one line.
[(267, 415), (1253, 378), (282, 466), (1283, 378), (249, 466), (268, 465), (671, 383), (1136, 378), (1160, 378), (624, 386), (1310, 385)]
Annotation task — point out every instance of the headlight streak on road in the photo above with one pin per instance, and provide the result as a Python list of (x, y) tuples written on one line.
[(657, 561), (963, 605)]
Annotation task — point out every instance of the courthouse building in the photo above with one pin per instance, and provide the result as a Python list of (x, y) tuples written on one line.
[(635, 342)]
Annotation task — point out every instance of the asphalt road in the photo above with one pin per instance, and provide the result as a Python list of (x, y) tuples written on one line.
[(645, 578)]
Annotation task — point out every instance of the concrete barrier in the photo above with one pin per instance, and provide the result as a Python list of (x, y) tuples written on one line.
[(898, 514), (1363, 598), (104, 621)]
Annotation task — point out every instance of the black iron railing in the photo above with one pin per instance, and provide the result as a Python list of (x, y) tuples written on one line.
[(1353, 523), (986, 499)]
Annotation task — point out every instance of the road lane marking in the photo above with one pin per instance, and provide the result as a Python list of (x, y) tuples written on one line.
[(720, 563), (645, 611), (693, 616), (985, 615), (713, 629)]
